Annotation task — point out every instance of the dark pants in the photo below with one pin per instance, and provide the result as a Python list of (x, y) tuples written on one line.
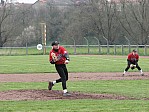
[(129, 63), (63, 73)]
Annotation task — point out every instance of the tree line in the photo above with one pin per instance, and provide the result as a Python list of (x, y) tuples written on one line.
[(119, 22)]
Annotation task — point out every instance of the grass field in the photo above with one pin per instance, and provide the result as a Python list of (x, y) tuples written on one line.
[(94, 63), (79, 63), (135, 88), (75, 106)]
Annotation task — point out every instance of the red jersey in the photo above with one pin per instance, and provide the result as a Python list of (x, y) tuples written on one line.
[(132, 57), (60, 58)]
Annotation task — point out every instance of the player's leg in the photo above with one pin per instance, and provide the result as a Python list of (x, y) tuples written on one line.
[(127, 68), (59, 69), (139, 68), (66, 76), (61, 72), (66, 71)]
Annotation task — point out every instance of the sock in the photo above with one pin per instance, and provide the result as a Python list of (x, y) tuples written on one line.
[(54, 82), (141, 71), (124, 71), (65, 90)]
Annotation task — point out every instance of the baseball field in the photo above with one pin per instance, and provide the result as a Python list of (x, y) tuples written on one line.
[(95, 82)]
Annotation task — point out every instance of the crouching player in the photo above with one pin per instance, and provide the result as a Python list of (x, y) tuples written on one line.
[(132, 60)]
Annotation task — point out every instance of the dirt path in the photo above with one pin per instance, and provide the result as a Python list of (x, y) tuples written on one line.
[(57, 95), (72, 77)]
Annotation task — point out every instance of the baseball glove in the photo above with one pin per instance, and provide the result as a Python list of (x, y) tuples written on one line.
[(132, 66), (54, 57)]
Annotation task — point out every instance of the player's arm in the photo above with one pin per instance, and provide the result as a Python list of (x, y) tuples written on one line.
[(129, 59), (65, 54), (137, 59)]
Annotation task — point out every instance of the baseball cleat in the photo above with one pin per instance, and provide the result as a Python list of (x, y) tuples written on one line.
[(142, 74), (50, 85), (66, 94), (123, 74)]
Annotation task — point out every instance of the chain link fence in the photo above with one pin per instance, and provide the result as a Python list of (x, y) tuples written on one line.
[(143, 50)]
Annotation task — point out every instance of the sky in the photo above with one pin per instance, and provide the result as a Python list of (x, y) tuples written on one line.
[(26, 1)]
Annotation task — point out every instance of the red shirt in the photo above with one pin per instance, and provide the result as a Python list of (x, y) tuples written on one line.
[(59, 54), (132, 57)]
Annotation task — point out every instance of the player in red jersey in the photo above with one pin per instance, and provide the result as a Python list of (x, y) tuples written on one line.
[(132, 60), (59, 56)]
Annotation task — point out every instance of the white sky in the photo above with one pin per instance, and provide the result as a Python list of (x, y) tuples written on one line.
[(26, 1)]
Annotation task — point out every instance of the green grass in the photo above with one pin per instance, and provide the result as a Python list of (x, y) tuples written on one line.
[(40, 64), (78, 63), (131, 88), (75, 106)]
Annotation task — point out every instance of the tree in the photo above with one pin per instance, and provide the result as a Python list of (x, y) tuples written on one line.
[(27, 37), (95, 18), (133, 18), (12, 22), (5, 21)]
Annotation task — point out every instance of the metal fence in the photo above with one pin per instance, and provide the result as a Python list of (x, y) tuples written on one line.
[(79, 49)]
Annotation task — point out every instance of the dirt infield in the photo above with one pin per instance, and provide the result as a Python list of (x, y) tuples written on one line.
[(57, 95), (72, 77)]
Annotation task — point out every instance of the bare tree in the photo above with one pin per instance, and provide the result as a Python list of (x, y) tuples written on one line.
[(141, 14), (12, 23), (133, 17), (5, 16), (99, 19), (27, 37)]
